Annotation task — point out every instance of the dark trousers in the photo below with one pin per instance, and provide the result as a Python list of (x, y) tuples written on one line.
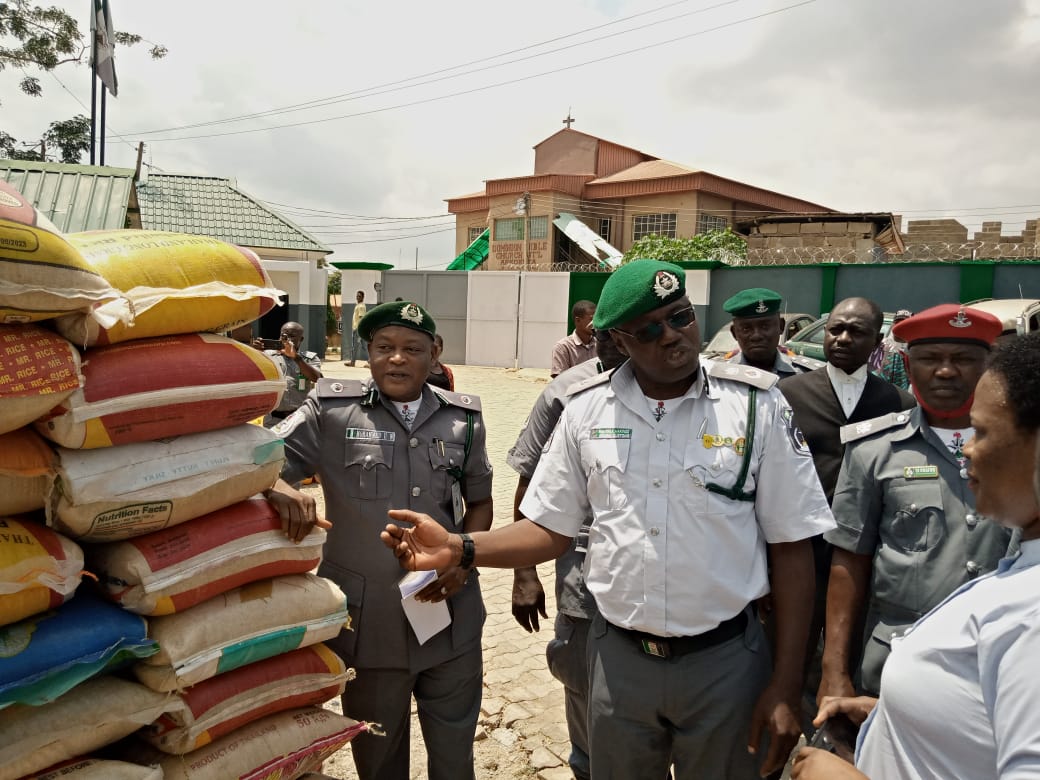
[(447, 698), (567, 657), (690, 711)]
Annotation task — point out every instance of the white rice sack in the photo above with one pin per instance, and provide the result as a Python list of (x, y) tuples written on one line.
[(242, 626), (116, 493), (90, 716)]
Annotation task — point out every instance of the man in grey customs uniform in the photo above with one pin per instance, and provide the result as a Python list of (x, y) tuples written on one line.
[(393, 441), (689, 472), (566, 651), (908, 534), (299, 368), (757, 327)]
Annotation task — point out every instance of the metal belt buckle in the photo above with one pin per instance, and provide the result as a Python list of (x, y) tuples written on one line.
[(650, 647)]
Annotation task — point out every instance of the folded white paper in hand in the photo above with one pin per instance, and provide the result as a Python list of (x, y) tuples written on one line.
[(427, 618)]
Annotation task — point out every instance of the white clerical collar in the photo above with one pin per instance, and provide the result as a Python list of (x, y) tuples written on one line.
[(859, 376)]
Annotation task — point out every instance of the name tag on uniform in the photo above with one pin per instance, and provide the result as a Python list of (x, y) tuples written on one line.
[(921, 472), (364, 434), (301, 383), (610, 433), (457, 507)]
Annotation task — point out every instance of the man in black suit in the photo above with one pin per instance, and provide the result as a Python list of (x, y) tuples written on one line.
[(842, 392)]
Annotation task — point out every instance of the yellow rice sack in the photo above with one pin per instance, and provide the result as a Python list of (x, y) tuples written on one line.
[(116, 493), (43, 276), (38, 370), (93, 714), (309, 676), (39, 569), (175, 282), (26, 466), (244, 625), (208, 382)]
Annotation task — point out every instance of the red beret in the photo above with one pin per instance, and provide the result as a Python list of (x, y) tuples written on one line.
[(948, 322)]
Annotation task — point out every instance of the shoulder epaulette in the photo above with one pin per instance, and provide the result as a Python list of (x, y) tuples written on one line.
[(308, 355), (327, 387), (855, 431), (461, 400), (806, 362), (738, 372), (585, 384)]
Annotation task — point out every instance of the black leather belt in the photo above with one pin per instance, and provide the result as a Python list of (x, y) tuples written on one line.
[(672, 646)]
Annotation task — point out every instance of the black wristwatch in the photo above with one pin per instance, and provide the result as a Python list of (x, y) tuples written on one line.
[(469, 551)]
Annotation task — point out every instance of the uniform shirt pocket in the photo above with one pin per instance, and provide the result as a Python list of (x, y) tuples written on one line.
[(917, 521), (716, 466), (367, 467), (605, 461), (445, 458)]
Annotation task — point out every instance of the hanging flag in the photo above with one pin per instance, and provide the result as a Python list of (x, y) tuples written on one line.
[(104, 46)]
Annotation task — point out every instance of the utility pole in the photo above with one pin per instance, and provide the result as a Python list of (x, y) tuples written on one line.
[(417, 258)]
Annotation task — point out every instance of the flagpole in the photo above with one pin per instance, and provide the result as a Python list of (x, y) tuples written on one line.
[(93, 79), (101, 136)]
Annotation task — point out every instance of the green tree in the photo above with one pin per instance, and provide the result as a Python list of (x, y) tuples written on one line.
[(39, 39), (335, 286), (722, 245)]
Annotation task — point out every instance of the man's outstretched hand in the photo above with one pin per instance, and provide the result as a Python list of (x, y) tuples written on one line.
[(425, 546)]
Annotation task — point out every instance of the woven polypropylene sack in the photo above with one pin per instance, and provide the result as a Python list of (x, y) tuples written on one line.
[(39, 569), (46, 655), (176, 568), (41, 274), (116, 493), (98, 769), (207, 382), (26, 465), (38, 369), (215, 707), (244, 625), (90, 716), (283, 746), (175, 283)]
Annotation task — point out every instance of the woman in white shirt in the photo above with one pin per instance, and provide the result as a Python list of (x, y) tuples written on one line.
[(960, 697)]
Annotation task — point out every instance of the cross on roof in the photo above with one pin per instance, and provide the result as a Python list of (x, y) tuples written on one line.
[(569, 120)]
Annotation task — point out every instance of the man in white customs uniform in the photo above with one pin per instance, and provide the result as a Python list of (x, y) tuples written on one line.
[(691, 473)]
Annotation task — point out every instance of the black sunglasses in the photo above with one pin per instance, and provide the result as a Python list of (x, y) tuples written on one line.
[(652, 332)]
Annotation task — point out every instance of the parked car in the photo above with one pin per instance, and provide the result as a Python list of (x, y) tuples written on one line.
[(809, 342), (723, 342), (1017, 315)]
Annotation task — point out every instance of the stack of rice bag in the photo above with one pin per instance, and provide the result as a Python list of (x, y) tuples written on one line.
[(150, 483)]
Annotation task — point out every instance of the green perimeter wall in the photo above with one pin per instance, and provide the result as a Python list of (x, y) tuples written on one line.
[(815, 289)]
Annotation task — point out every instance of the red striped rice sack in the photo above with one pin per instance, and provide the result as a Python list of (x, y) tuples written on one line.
[(215, 707), (41, 274), (244, 625), (117, 493), (175, 283), (39, 569), (283, 746), (27, 465), (164, 386), (92, 715), (176, 568), (38, 369), (97, 769)]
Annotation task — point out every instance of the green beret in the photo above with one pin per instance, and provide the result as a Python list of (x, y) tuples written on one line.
[(403, 313), (753, 302), (636, 288)]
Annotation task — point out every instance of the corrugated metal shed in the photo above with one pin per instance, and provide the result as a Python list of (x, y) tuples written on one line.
[(212, 206), (74, 197)]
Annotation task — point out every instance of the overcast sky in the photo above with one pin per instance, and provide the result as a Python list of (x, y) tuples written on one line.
[(922, 107)]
